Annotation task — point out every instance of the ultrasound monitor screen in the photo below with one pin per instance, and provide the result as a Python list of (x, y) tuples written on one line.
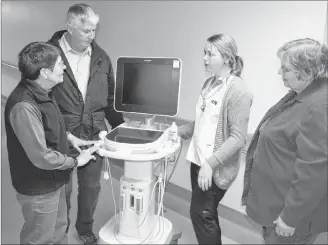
[(146, 84)]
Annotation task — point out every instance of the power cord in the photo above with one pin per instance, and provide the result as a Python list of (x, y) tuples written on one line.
[(115, 208), (176, 158)]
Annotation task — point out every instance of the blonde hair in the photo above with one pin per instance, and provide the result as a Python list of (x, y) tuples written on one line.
[(307, 57), (227, 46), (80, 13)]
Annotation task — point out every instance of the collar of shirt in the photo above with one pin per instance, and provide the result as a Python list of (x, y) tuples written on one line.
[(215, 82), (219, 80), (224, 78), (314, 86), (67, 48), (40, 93)]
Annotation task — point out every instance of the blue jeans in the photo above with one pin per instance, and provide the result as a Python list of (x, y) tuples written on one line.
[(45, 218), (88, 178), (270, 236)]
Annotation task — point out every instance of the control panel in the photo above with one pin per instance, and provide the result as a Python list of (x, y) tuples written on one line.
[(133, 195)]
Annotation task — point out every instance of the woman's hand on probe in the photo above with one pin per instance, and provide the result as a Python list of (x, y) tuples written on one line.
[(86, 155)]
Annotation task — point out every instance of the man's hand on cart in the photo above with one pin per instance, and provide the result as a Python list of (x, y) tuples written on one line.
[(76, 142)]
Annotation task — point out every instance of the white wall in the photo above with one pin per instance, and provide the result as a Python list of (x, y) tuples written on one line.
[(325, 41), (179, 29)]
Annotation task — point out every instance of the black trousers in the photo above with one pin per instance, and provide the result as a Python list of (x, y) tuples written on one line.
[(203, 210)]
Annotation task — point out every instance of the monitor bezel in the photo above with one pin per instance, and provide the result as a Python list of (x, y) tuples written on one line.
[(169, 111)]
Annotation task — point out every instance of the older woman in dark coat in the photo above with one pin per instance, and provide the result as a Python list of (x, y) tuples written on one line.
[(285, 184)]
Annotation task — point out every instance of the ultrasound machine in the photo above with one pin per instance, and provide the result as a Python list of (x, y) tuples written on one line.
[(146, 87)]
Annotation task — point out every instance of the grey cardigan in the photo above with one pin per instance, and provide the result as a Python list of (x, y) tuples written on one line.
[(231, 132)]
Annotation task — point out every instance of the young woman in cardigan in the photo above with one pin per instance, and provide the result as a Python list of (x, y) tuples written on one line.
[(217, 135)]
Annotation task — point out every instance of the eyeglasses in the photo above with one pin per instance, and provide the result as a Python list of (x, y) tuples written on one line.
[(284, 69)]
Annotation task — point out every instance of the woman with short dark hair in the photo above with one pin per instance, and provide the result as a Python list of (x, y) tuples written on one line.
[(38, 146)]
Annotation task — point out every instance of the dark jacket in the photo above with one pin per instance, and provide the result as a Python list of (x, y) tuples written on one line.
[(86, 119), (27, 179), (286, 163)]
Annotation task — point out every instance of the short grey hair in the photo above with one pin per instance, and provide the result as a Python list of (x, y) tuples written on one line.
[(308, 58), (80, 13)]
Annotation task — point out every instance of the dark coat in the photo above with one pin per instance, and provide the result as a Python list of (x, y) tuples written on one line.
[(86, 119), (286, 168)]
